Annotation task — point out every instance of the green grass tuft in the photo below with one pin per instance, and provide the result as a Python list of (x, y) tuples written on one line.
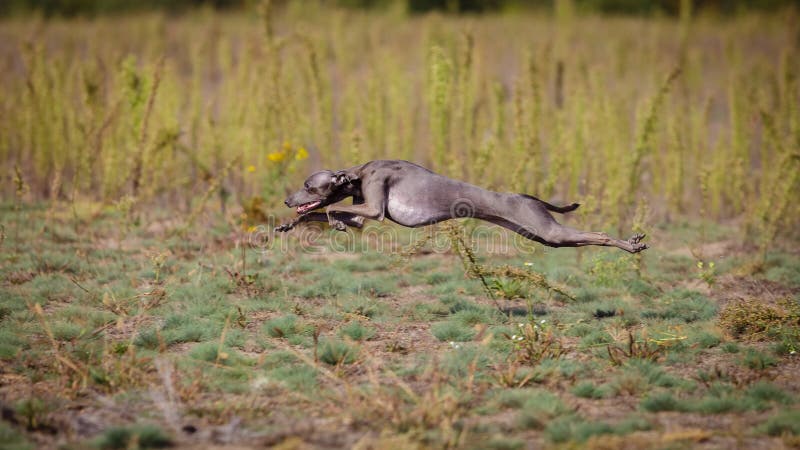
[(301, 378), (10, 344), (513, 398), (684, 305), (456, 303), (211, 352), (540, 409), (144, 436), (375, 286), (501, 443), (758, 360), (472, 317), (363, 306), (596, 338), (336, 352), (767, 392), (783, 423), (149, 338), (717, 405), (357, 332), (705, 339), (66, 331), (12, 439), (587, 389), (573, 428), (661, 401), (730, 347), (452, 331), (284, 326)]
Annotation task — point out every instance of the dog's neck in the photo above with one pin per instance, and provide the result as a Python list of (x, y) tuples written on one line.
[(351, 189)]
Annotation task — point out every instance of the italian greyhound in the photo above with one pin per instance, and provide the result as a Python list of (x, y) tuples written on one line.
[(414, 196)]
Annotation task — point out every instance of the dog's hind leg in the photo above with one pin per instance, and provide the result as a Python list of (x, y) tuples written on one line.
[(561, 236), (549, 232), (532, 220)]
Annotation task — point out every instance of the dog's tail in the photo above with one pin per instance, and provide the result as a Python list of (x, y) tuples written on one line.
[(554, 208)]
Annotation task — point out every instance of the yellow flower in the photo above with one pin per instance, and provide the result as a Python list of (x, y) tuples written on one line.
[(301, 154), (251, 229), (276, 156), (251, 168), (287, 145)]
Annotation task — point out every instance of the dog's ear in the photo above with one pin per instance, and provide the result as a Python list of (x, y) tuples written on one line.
[(342, 177)]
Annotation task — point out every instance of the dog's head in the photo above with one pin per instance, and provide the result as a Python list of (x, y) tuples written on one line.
[(322, 189)]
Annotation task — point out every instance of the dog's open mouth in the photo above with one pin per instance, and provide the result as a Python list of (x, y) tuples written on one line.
[(306, 207)]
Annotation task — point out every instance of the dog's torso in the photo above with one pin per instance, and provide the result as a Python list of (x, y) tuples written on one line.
[(416, 196)]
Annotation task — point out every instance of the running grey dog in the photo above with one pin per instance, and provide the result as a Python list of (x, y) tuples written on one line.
[(413, 196)]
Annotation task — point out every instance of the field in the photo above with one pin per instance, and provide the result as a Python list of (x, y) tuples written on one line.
[(145, 301)]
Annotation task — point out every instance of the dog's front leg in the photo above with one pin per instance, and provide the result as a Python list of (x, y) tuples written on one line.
[(350, 220), (284, 227), (373, 207)]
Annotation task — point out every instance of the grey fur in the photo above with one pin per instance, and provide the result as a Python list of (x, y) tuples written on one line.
[(414, 196)]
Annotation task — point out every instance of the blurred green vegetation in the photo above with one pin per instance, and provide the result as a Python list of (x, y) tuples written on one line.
[(638, 7), (661, 118)]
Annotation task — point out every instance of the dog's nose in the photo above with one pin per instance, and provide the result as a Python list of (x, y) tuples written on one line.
[(286, 202)]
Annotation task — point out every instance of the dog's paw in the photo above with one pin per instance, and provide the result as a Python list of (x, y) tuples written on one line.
[(636, 243), (338, 225), (284, 228), (636, 238)]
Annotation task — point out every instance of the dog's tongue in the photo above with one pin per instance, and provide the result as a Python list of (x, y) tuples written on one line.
[(307, 207)]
